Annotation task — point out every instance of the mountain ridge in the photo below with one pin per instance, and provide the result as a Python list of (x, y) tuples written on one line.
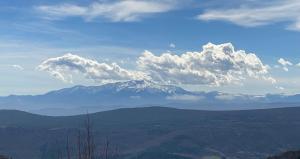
[(161, 132), (138, 93)]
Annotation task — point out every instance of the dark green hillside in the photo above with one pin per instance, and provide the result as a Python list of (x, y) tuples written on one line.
[(287, 155), (3, 157), (157, 132)]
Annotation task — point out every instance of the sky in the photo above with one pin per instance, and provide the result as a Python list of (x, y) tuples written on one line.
[(237, 46)]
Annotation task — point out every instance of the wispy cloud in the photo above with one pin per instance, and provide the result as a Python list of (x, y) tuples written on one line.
[(280, 88), (285, 64), (116, 11), (172, 45), (10, 67), (17, 67), (258, 13)]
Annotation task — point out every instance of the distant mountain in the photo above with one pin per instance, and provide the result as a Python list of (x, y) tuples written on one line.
[(157, 133), (80, 99), (96, 98)]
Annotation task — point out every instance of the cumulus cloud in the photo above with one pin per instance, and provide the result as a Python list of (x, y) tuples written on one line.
[(284, 64), (63, 67), (258, 13), (116, 11), (216, 65)]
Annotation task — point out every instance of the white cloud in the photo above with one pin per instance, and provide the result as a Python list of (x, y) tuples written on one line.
[(116, 11), (258, 13), (215, 65), (172, 45), (17, 67), (285, 63), (280, 88), (63, 67), (285, 69)]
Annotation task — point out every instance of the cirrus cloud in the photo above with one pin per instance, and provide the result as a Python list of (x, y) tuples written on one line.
[(258, 13), (116, 11)]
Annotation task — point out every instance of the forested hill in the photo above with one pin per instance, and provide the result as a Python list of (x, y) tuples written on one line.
[(157, 132)]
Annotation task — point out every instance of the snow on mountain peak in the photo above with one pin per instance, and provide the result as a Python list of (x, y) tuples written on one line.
[(136, 86), (141, 85)]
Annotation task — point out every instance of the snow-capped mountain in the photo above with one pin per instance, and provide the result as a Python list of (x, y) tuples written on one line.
[(135, 86), (79, 99), (104, 97)]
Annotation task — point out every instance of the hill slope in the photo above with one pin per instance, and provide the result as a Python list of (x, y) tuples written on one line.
[(287, 155), (157, 132)]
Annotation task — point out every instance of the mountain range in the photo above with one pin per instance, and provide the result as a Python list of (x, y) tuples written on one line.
[(138, 93)]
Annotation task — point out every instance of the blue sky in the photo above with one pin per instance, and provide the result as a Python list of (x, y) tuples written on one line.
[(33, 32)]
